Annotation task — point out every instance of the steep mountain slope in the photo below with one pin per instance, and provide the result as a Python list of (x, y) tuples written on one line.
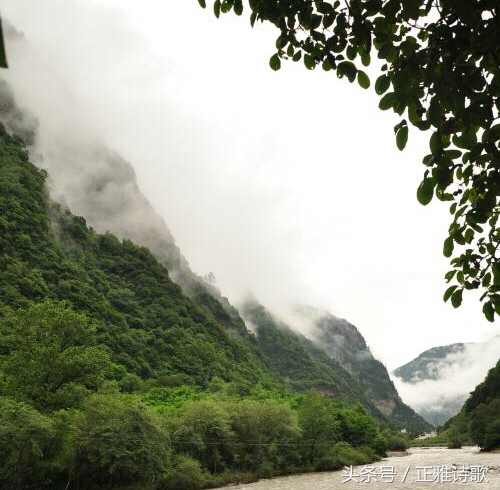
[(150, 327), (107, 194), (342, 342), (479, 418), (428, 364), (310, 364), (296, 359)]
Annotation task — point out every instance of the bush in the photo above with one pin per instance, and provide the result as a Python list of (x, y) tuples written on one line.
[(25, 445), (454, 442), (203, 432), (380, 445), (396, 441), (119, 442), (484, 426), (268, 430), (266, 470), (343, 454), (186, 474)]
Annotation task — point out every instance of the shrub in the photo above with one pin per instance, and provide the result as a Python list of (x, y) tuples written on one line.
[(380, 445), (203, 432), (119, 442), (186, 474), (25, 444), (268, 430), (343, 454), (266, 470), (396, 441)]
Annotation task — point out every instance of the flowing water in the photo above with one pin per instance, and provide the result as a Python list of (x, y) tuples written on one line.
[(422, 468)]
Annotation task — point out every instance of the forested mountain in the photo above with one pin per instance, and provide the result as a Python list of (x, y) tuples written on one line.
[(479, 419), (295, 358), (107, 194), (111, 377), (336, 362), (120, 379), (343, 342), (143, 318)]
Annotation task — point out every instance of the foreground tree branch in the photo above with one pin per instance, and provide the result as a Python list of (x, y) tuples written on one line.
[(440, 72)]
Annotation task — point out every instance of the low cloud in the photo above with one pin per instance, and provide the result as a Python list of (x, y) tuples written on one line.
[(458, 374)]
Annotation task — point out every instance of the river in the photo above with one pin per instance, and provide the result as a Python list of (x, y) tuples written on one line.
[(434, 467)]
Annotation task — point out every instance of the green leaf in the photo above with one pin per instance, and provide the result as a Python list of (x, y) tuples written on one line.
[(387, 101), (281, 42), (238, 7), (382, 83), (448, 247), (327, 65), (435, 143), (347, 68), (309, 62), (363, 80), (456, 298), (402, 137), (202, 4), (486, 280), (275, 62), (425, 191), (226, 6), (449, 292), (489, 311), (217, 8)]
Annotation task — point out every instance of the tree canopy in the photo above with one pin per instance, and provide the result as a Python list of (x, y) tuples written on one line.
[(439, 64)]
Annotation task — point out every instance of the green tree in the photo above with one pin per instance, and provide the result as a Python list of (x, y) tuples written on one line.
[(439, 63), (484, 425), (49, 357), (25, 444), (203, 431), (118, 442), (267, 432), (358, 428), (320, 425)]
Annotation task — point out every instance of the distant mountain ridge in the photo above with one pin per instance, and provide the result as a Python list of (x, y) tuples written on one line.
[(438, 381), (427, 364)]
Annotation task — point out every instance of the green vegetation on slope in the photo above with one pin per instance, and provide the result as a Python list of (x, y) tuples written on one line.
[(110, 377), (479, 419), (303, 365), (344, 343), (142, 317)]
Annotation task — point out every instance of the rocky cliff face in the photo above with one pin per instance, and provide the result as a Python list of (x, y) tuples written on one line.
[(342, 341)]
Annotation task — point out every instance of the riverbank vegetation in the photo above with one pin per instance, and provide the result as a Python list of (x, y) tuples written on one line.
[(68, 419), (479, 419), (478, 423)]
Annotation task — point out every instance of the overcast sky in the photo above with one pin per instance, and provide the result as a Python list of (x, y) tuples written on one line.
[(288, 184)]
